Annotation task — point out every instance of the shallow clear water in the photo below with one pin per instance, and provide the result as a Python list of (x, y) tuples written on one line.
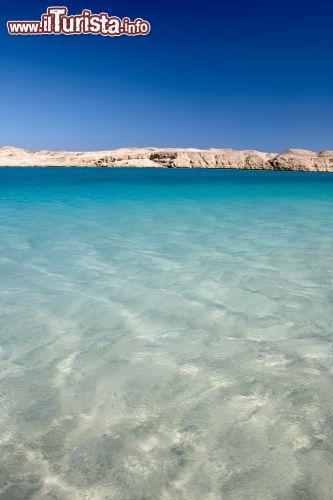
[(165, 334)]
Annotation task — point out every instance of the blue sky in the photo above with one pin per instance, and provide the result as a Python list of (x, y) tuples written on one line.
[(235, 74)]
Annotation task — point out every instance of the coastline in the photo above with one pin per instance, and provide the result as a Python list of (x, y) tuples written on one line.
[(289, 160)]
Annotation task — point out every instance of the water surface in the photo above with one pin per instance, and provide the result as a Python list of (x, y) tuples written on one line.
[(165, 334)]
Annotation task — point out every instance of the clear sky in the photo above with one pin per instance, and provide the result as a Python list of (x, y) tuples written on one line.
[(241, 74)]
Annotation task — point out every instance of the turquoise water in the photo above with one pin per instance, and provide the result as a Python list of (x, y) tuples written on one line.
[(165, 334)]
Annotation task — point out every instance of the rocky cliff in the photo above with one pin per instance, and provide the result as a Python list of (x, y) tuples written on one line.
[(292, 159)]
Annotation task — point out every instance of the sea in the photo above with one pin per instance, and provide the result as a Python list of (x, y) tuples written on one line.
[(165, 334)]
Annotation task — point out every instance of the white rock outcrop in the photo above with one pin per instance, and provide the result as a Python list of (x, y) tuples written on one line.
[(291, 159)]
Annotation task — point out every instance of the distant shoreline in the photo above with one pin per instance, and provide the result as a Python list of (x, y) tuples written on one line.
[(289, 160)]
